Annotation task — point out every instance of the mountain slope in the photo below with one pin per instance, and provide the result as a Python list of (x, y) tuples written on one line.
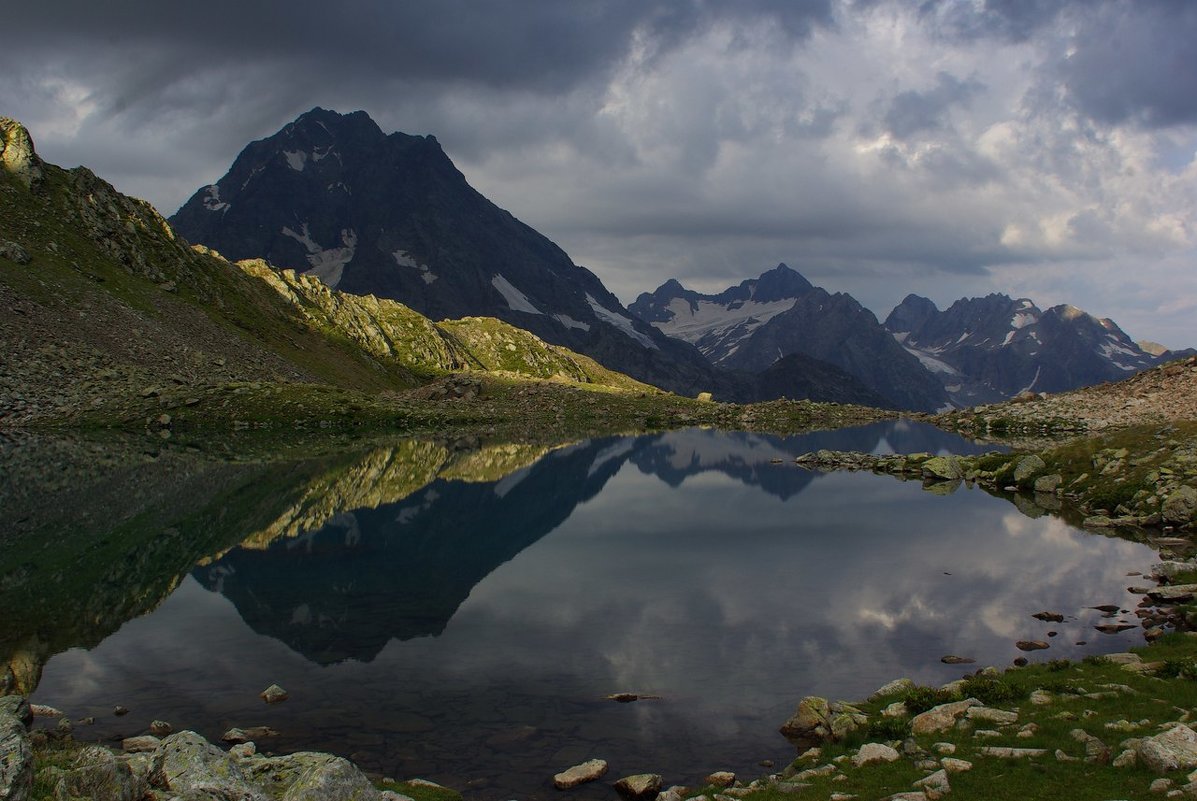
[(390, 215), (990, 348), (751, 326), (105, 305)]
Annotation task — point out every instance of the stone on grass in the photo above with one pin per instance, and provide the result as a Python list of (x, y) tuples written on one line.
[(896, 710), (873, 754), (942, 717), (1175, 749), (935, 786), (310, 776), (1005, 752), (953, 765), (1127, 759), (588, 771), (985, 714), (895, 687), (1028, 467), (187, 765), (944, 748), (640, 786)]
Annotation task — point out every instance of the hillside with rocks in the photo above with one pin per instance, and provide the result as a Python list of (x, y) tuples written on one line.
[(107, 306)]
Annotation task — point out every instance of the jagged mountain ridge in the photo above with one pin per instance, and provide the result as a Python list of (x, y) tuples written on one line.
[(751, 326), (991, 348)]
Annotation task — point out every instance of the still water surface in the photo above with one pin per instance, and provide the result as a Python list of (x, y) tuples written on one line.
[(469, 630)]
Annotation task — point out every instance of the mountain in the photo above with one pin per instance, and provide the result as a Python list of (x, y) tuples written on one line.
[(389, 215), (110, 316), (991, 348), (753, 325)]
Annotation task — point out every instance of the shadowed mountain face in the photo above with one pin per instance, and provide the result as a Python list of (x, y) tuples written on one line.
[(754, 325), (992, 348), (389, 215)]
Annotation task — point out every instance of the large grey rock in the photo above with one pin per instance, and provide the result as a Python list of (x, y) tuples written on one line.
[(1180, 506), (14, 252), (18, 707), (818, 718), (1175, 749), (640, 786), (985, 714), (942, 717), (16, 759), (1027, 468), (99, 774), (874, 753), (895, 687), (580, 774), (17, 155), (948, 468), (188, 765), (309, 776)]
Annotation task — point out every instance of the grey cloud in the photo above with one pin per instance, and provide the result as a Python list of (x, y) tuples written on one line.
[(1135, 62), (1010, 20), (912, 112)]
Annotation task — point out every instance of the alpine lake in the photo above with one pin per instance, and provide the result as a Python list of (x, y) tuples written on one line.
[(464, 614)]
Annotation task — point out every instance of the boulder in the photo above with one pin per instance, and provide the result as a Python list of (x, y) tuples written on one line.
[(145, 744), (1180, 505), (1031, 645), (1027, 468), (14, 252), (16, 758), (1048, 483), (322, 777), (18, 707), (721, 778), (944, 468), (640, 786), (99, 774), (984, 714), (1175, 749), (942, 717), (188, 765), (895, 687), (953, 765), (588, 771), (874, 754), (810, 719), (935, 786)]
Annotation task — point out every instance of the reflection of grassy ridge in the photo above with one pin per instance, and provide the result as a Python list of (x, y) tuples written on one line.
[(69, 585), (384, 475), (492, 462)]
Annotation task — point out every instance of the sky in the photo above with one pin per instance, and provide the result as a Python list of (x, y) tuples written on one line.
[(949, 148)]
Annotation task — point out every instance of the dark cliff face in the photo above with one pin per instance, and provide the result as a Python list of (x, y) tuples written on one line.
[(755, 325)]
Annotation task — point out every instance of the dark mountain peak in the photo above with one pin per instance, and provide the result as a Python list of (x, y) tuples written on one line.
[(911, 314), (780, 283)]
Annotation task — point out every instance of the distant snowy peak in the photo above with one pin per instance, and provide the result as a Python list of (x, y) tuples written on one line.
[(718, 324), (996, 346)]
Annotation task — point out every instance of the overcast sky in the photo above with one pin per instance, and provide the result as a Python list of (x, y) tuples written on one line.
[(1040, 148)]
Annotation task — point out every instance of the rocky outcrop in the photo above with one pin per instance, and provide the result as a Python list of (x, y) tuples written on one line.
[(17, 155), (819, 719), (16, 754), (98, 773), (188, 765)]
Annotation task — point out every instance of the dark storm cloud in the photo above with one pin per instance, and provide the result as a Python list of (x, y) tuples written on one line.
[(546, 46), (1136, 62), (912, 111)]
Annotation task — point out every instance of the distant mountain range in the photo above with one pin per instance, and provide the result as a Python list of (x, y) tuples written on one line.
[(390, 215), (980, 350)]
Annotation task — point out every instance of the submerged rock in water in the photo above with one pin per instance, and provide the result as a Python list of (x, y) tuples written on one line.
[(640, 786), (274, 694)]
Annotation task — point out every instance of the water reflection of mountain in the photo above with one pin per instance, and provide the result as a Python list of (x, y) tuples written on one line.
[(401, 564), (401, 569)]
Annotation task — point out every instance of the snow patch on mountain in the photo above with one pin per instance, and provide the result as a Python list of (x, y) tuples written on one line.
[(692, 322), (213, 202), (405, 259), (570, 322), (931, 363), (516, 300), (1022, 320), (296, 159), (327, 264), (624, 324)]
